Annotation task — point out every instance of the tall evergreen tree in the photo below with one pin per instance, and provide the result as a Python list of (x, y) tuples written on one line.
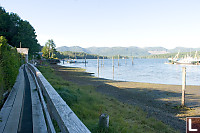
[(17, 30)]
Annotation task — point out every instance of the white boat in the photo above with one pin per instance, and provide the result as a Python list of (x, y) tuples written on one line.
[(75, 61), (187, 60), (173, 60), (71, 61)]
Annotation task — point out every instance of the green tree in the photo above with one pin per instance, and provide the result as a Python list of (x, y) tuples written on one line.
[(9, 64), (49, 49), (17, 30)]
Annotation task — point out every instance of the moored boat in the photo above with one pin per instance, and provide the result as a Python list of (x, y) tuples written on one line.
[(187, 60), (75, 61), (173, 60), (71, 61)]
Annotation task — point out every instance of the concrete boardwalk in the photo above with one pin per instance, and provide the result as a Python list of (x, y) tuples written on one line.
[(22, 111)]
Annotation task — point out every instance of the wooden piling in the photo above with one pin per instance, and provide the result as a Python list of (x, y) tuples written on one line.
[(183, 86), (98, 65), (132, 60), (103, 61), (85, 60), (104, 121), (113, 65), (118, 60)]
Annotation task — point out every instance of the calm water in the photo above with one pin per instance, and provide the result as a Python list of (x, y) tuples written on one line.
[(143, 70)]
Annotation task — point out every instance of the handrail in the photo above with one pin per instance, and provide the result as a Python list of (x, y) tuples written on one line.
[(50, 126), (67, 120)]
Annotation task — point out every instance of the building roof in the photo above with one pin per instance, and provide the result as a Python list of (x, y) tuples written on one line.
[(22, 50)]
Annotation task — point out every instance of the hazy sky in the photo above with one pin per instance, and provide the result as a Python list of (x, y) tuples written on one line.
[(85, 23)]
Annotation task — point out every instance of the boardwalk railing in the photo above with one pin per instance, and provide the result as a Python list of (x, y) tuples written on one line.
[(55, 107)]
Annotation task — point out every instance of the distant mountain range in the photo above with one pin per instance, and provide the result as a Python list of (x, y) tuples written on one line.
[(125, 51)]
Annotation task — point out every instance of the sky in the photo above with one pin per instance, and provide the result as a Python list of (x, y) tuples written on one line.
[(110, 23)]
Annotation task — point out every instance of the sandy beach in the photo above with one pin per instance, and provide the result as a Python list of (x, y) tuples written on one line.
[(158, 100)]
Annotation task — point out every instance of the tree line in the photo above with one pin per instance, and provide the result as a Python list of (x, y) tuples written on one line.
[(16, 30), (77, 55)]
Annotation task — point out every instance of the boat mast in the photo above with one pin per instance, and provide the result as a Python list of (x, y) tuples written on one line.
[(195, 55)]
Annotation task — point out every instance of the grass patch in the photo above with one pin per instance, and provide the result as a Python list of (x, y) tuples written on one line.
[(88, 105), (182, 108), (55, 124)]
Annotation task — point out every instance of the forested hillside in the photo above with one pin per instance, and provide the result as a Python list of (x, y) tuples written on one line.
[(126, 51), (171, 55), (108, 51), (16, 30)]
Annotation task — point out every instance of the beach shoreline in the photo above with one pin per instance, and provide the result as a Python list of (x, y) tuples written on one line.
[(158, 100)]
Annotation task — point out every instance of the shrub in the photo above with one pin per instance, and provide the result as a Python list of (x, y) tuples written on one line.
[(9, 66)]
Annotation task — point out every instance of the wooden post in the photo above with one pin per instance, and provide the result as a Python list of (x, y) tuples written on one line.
[(183, 85), (118, 59), (98, 65), (104, 121), (103, 61), (20, 45), (85, 60), (113, 65), (132, 60), (75, 55)]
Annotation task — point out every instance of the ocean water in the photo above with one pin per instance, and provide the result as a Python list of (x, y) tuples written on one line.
[(143, 70)]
